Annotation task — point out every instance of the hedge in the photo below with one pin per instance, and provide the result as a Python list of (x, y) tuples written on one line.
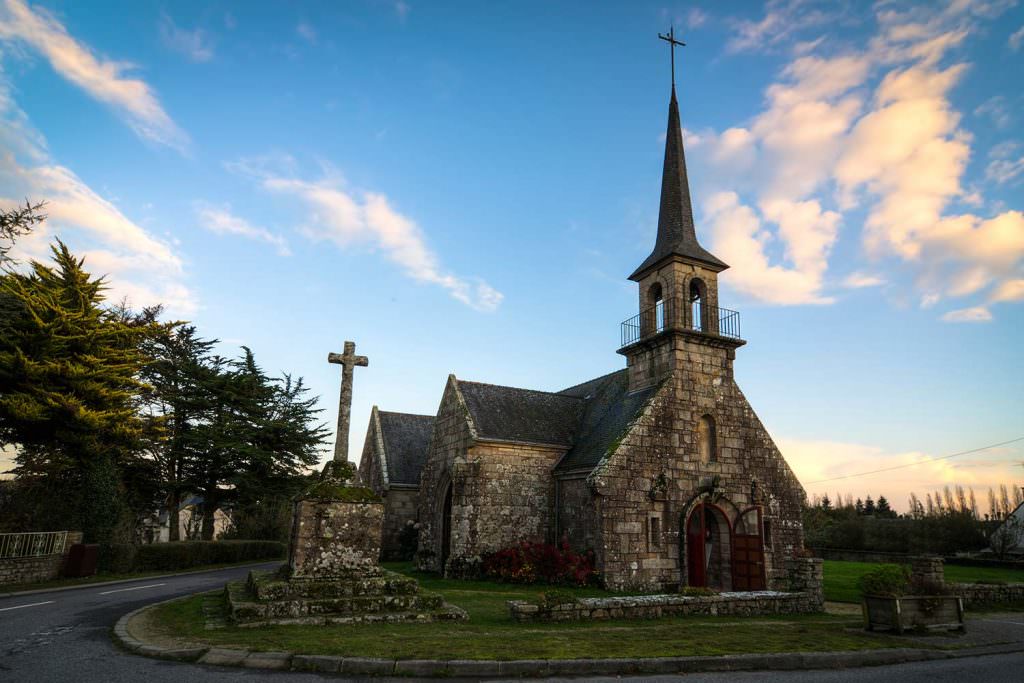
[(124, 558)]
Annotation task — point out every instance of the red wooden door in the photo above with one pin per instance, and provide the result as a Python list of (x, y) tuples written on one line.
[(748, 554), (695, 564)]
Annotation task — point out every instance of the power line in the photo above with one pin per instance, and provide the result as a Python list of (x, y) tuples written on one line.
[(919, 462)]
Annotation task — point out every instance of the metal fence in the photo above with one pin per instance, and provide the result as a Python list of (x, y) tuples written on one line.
[(35, 544), (663, 315)]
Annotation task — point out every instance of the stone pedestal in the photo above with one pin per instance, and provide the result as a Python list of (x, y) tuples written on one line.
[(334, 539), (806, 575), (332, 575)]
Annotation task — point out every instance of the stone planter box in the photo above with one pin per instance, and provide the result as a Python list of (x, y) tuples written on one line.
[(930, 612)]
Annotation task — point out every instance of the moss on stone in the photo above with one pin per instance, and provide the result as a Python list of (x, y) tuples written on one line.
[(330, 489)]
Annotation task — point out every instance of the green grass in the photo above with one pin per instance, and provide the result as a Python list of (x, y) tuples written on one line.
[(100, 578), (491, 634), (841, 577)]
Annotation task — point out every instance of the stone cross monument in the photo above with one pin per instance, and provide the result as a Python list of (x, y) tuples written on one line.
[(347, 360)]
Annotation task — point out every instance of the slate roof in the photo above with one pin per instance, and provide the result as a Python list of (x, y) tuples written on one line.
[(676, 234), (608, 410), (512, 414), (406, 439), (587, 418)]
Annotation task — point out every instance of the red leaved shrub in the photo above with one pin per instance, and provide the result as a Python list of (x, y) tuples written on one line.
[(540, 563)]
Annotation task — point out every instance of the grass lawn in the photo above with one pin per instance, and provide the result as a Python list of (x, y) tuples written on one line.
[(100, 578), (841, 577), (491, 634)]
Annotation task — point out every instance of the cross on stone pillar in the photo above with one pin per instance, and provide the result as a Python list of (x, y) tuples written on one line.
[(347, 360)]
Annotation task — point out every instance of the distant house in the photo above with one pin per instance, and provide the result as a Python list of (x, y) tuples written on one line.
[(1008, 538), (157, 529)]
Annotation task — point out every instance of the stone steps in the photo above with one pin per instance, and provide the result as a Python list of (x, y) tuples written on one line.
[(273, 586)]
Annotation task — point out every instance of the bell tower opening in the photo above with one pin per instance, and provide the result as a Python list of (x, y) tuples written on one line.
[(698, 305)]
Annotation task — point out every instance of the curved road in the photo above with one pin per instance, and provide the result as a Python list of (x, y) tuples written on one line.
[(65, 636)]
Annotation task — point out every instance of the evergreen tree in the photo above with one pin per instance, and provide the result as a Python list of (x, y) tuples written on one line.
[(68, 381), (869, 506), (17, 222), (859, 506), (173, 405), (883, 509), (826, 504)]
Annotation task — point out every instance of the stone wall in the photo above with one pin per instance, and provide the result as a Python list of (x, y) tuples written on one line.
[(577, 517), (655, 606), (449, 441), (663, 442), (33, 569), (399, 509), (509, 498), (979, 595)]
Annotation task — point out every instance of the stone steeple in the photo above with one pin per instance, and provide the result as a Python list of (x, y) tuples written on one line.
[(676, 234)]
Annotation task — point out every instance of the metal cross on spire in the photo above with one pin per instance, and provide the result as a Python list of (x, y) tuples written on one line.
[(348, 361), (671, 40)]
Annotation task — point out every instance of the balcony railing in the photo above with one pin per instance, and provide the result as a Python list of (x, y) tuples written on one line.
[(32, 544), (665, 315)]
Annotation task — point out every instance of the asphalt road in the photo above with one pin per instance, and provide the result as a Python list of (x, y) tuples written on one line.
[(65, 636)]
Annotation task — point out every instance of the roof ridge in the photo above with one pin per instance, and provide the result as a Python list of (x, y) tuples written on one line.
[(395, 412), (599, 377), (506, 386)]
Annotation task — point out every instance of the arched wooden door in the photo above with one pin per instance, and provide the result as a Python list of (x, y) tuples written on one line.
[(446, 528), (748, 571)]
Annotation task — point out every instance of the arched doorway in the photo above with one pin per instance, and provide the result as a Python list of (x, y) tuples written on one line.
[(708, 548), (446, 527)]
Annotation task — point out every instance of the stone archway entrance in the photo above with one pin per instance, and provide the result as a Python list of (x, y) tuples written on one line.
[(446, 527), (709, 548)]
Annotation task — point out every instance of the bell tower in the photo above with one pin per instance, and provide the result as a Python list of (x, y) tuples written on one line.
[(680, 321)]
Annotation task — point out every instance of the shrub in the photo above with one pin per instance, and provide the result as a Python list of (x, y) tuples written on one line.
[(540, 563), (696, 591), (888, 580), (554, 598), (124, 558)]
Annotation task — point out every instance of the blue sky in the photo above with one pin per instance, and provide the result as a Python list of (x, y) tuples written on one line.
[(463, 187)]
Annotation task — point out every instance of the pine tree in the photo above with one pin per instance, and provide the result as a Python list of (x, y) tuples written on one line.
[(826, 504), (859, 506), (18, 222), (869, 506), (883, 509), (68, 381)]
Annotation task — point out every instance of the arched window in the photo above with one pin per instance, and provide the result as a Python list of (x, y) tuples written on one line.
[(698, 304), (706, 439), (656, 302)]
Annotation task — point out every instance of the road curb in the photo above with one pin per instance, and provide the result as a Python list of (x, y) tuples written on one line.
[(479, 669), (115, 582)]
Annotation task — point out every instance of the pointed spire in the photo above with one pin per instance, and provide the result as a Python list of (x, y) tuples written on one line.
[(676, 234)]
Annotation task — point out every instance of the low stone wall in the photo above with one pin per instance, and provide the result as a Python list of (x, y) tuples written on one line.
[(977, 595), (654, 606), (41, 568)]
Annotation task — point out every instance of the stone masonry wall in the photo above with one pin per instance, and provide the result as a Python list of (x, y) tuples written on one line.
[(399, 509), (449, 441), (330, 538), (371, 471), (663, 441), (509, 498), (32, 569), (578, 519)]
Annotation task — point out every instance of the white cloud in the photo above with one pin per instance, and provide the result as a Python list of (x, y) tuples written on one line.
[(696, 17), (1011, 290), (306, 31), (103, 79), (196, 44), (347, 218), (140, 266), (782, 20), (220, 220), (872, 130), (1004, 170), (859, 280), (740, 238), (1016, 39), (974, 314), (997, 109), (813, 461)]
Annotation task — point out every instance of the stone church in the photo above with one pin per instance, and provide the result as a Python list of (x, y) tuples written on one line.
[(662, 469)]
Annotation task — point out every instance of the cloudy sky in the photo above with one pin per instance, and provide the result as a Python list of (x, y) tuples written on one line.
[(463, 187)]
